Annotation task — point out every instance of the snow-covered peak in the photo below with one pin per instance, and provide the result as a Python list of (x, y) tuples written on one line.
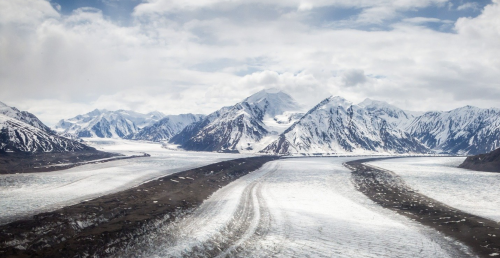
[(96, 112), (107, 124), (23, 116), (156, 114), (263, 94), (8, 111), (388, 112), (333, 102), (272, 102)]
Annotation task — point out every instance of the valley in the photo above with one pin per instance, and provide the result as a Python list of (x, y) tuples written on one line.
[(261, 178), (261, 206)]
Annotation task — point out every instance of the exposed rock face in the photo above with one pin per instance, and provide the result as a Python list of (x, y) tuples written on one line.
[(246, 126), (166, 128), (23, 116), (21, 131), (106, 124), (337, 126), (489, 162), (467, 130)]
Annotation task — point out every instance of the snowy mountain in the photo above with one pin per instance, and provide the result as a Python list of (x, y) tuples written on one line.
[(393, 115), (467, 130), (106, 124), (247, 126), (336, 126), (269, 121), (166, 128), (21, 131), (23, 116)]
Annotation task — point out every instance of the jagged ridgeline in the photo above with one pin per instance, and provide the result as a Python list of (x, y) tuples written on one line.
[(271, 121), (21, 131), (248, 126)]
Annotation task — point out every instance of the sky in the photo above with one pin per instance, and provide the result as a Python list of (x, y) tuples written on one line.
[(61, 58)]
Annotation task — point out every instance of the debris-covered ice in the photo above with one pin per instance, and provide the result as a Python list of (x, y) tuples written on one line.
[(440, 178), (304, 207), (29, 194)]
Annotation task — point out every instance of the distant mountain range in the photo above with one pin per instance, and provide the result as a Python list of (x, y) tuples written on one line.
[(166, 128), (338, 126), (248, 126), (21, 131), (154, 126), (106, 124), (271, 121)]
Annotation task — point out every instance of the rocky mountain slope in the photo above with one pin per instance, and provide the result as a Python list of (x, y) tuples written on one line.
[(467, 130), (21, 131), (270, 121), (23, 116), (247, 126), (338, 126), (489, 162), (106, 124), (166, 128), (393, 115)]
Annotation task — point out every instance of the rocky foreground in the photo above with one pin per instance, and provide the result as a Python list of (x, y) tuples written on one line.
[(103, 226), (489, 162), (389, 190)]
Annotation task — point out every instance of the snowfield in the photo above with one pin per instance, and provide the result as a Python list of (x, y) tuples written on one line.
[(439, 178), (302, 207), (29, 194)]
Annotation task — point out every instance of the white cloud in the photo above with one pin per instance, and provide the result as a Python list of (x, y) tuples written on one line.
[(374, 11), (85, 61), (353, 77), (422, 20), (470, 5), (26, 12)]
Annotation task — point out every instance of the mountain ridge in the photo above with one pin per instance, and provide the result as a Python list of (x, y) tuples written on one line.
[(21, 131)]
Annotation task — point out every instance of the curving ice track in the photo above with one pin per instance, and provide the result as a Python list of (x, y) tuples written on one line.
[(440, 178), (31, 193), (303, 207)]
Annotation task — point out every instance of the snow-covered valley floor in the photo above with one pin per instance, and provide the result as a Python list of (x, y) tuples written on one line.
[(32, 193), (302, 207), (439, 178)]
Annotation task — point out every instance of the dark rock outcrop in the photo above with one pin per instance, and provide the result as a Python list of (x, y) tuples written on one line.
[(489, 162)]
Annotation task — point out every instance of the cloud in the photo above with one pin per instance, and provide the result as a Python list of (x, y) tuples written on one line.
[(27, 12), (198, 63), (373, 11), (470, 5), (353, 77), (423, 20)]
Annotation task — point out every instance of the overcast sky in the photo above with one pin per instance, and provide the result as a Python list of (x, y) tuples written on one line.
[(61, 58)]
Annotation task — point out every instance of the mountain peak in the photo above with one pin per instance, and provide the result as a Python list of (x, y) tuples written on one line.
[(96, 112), (266, 94), (273, 102), (338, 101)]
